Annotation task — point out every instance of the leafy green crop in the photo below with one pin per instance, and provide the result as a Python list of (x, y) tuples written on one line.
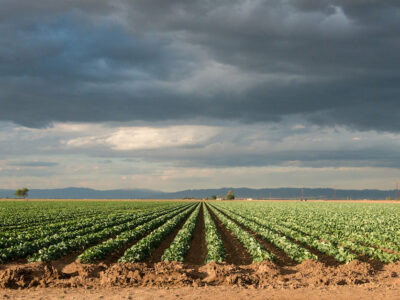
[(294, 251), (256, 250), (215, 247), (180, 245), (48, 230), (145, 246), (341, 230), (101, 251)]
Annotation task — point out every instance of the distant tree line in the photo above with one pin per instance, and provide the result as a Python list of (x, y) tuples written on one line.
[(22, 193)]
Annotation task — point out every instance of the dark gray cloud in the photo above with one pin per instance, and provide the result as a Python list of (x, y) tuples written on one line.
[(33, 164), (331, 62)]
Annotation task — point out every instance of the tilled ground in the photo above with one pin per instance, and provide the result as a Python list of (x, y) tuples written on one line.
[(364, 292), (258, 275)]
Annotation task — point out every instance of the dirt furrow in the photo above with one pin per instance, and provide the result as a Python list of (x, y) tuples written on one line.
[(235, 252), (324, 258), (198, 248), (113, 257), (282, 259), (159, 251)]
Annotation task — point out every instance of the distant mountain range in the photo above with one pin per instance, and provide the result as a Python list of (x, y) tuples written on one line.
[(273, 193)]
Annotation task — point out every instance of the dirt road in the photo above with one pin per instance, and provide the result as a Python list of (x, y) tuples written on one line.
[(364, 292)]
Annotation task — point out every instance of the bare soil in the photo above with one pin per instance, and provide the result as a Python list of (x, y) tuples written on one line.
[(369, 292), (282, 259), (162, 274), (309, 280), (159, 251), (235, 253), (198, 249)]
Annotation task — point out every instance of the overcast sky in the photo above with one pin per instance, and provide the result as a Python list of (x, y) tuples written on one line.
[(170, 95)]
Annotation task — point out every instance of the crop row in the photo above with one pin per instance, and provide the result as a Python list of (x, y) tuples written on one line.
[(102, 250), (181, 243), (145, 246), (73, 228), (372, 226), (342, 231), (214, 244), (367, 243), (294, 251), (326, 247), (51, 235), (67, 246), (255, 249), (62, 240), (369, 229), (314, 234), (377, 254), (339, 247), (25, 220), (22, 215), (29, 225)]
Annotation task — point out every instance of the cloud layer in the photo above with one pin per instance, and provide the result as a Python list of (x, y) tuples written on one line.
[(180, 94), (330, 62), (186, 156)]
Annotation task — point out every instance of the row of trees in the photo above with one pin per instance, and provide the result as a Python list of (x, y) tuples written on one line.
[(229, 196), (23, 193)]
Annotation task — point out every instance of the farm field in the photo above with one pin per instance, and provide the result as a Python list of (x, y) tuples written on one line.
[(279, 245)]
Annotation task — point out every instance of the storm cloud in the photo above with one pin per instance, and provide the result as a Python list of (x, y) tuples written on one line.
[(329, 62), (189, 94)]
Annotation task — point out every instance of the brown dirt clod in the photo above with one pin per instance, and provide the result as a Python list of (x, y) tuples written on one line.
[(166, 275)]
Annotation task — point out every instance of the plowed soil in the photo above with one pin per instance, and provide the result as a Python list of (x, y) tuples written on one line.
[(370, 292), (234, 250), (102, 280), (282, 258), (198, 249), (159, 251)]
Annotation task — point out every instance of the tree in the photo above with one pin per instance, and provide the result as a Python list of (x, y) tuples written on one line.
[(230, 195), (213, 197), (22, 193)]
